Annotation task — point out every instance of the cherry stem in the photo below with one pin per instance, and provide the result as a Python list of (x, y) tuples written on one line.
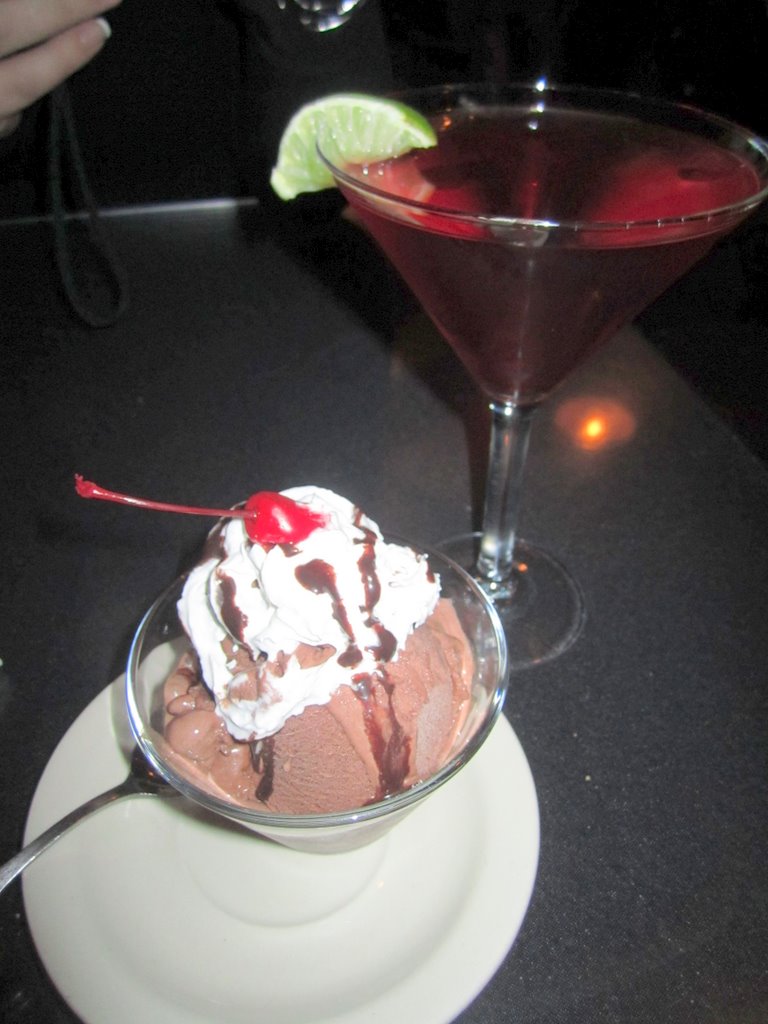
[(88, 489)]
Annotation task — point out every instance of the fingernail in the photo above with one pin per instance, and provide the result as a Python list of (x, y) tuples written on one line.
[(104, 26)]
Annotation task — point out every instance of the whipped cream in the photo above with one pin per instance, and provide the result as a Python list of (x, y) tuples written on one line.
[(342, 590)]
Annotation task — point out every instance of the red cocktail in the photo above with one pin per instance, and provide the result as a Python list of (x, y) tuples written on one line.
[(542, 221)]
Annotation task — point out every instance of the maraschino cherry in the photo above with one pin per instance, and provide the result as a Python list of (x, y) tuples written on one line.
[(270, 518)]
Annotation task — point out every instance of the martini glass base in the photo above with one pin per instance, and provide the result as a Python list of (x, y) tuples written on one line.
[(541, 607)]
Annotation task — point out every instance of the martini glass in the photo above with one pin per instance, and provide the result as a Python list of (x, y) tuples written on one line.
[(544, 219)]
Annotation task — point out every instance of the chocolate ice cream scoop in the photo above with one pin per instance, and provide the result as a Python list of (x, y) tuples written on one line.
[(342, 772)]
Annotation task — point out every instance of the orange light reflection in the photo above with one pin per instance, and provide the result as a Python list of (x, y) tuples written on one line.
[(592, 422)]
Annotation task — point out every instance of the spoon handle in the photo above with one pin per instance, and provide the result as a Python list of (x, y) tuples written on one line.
[(16, 864)]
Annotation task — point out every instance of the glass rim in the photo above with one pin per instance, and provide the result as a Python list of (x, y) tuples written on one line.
[(300, 822), (751, 141)]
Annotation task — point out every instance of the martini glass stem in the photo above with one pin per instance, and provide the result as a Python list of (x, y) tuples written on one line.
[(510, 433)]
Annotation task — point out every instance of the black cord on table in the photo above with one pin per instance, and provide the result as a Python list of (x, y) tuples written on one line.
[(94, 281)]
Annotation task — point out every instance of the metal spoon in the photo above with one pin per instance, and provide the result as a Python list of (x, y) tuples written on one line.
[(142, 780)]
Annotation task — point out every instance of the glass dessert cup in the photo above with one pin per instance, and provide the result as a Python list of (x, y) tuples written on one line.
[(544, 220), (160, 640)]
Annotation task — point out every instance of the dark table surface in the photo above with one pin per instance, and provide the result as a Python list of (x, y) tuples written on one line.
[(260, 352)]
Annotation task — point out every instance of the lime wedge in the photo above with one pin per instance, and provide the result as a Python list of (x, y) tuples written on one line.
[(351, 128)]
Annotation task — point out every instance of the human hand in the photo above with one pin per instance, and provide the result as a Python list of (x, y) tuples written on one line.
[(42, 42)]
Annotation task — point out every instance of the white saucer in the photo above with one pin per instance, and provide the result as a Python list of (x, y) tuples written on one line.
[(150, 912)]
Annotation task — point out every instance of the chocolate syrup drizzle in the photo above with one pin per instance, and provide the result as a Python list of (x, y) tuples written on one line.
[(320, 577), (234, 619), (392, 753), (214, 545), (263, 762), (366, 563)]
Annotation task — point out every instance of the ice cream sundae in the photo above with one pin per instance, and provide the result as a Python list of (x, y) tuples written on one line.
[(325, 672)]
